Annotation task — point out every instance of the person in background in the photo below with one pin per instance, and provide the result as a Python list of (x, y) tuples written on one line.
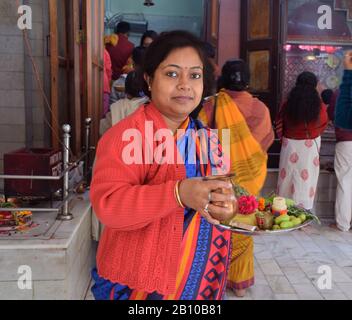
[(300, 123), (343, 171), (135, 63), (120, 52), (138, 57), (135, 97), (107, 81), (161, 239), (235, 79), (252, 134), (147, 38), (343, 112)]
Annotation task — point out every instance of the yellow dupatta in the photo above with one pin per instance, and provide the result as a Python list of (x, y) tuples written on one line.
[(248, 160)]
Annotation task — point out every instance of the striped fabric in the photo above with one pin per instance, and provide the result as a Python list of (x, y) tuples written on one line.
[(248, 160)]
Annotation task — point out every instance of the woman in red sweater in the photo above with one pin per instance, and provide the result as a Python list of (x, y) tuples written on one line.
[(301, 121), (160, 237)]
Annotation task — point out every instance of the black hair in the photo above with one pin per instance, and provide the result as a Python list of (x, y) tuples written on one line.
[(235, 75), (138, 56), (148, 34), (122, 27), (158, 51), (326, 96), (134, 85), (304, 103)]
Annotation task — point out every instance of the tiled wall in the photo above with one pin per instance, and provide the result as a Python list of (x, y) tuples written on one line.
[(34, 100), (21, 105), (12, 100)]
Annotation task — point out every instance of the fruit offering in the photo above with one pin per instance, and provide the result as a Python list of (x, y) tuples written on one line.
[(270, 213)]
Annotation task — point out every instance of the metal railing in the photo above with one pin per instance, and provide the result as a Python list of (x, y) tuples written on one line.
[(63, 207)]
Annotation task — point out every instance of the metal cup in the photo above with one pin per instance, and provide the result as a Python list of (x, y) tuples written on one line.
[(228, 178)]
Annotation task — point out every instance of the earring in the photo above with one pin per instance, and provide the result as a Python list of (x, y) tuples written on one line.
[(149, 88)]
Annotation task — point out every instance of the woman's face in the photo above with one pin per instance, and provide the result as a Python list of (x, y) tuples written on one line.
[(147, 41), (177, 86)]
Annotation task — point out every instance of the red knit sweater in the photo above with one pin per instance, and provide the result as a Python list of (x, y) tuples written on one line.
[(141, 241)]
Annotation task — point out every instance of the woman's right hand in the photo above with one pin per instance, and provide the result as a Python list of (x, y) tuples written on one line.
[(197, 194)]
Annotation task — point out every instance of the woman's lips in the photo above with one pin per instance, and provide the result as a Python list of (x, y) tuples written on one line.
[(182, 99)]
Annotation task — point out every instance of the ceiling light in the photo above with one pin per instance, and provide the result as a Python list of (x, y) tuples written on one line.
[(148, 3)]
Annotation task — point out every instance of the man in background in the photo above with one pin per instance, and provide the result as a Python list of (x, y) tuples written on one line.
[(120, 52), (340, 111), (343, 112)]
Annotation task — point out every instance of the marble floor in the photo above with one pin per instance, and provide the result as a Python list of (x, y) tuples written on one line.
[(310, 264)]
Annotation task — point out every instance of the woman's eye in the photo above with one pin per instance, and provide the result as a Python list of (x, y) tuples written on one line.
[(172, 74), (196, 76)]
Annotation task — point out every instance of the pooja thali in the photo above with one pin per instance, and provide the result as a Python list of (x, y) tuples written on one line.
[(258, 231), (267, 216), (262, 215)]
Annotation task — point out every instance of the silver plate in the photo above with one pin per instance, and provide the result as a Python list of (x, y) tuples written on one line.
[(265, 232)]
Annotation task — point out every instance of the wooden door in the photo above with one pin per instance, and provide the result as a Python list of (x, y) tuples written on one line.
[(93, 64), (63, 51), (261, 48), (211, 18)]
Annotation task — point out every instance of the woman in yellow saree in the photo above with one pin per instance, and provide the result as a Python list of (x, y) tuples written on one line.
[(251, 136)]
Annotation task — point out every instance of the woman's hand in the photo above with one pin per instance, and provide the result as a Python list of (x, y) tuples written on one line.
[(204, 197), (348, 60)]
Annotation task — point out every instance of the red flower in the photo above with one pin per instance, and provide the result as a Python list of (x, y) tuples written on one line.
[(247, 204)]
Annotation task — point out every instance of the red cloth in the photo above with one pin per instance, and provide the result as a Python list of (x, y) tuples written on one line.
[(141, 240), (299, 131), (119, 55), (107, 72)]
